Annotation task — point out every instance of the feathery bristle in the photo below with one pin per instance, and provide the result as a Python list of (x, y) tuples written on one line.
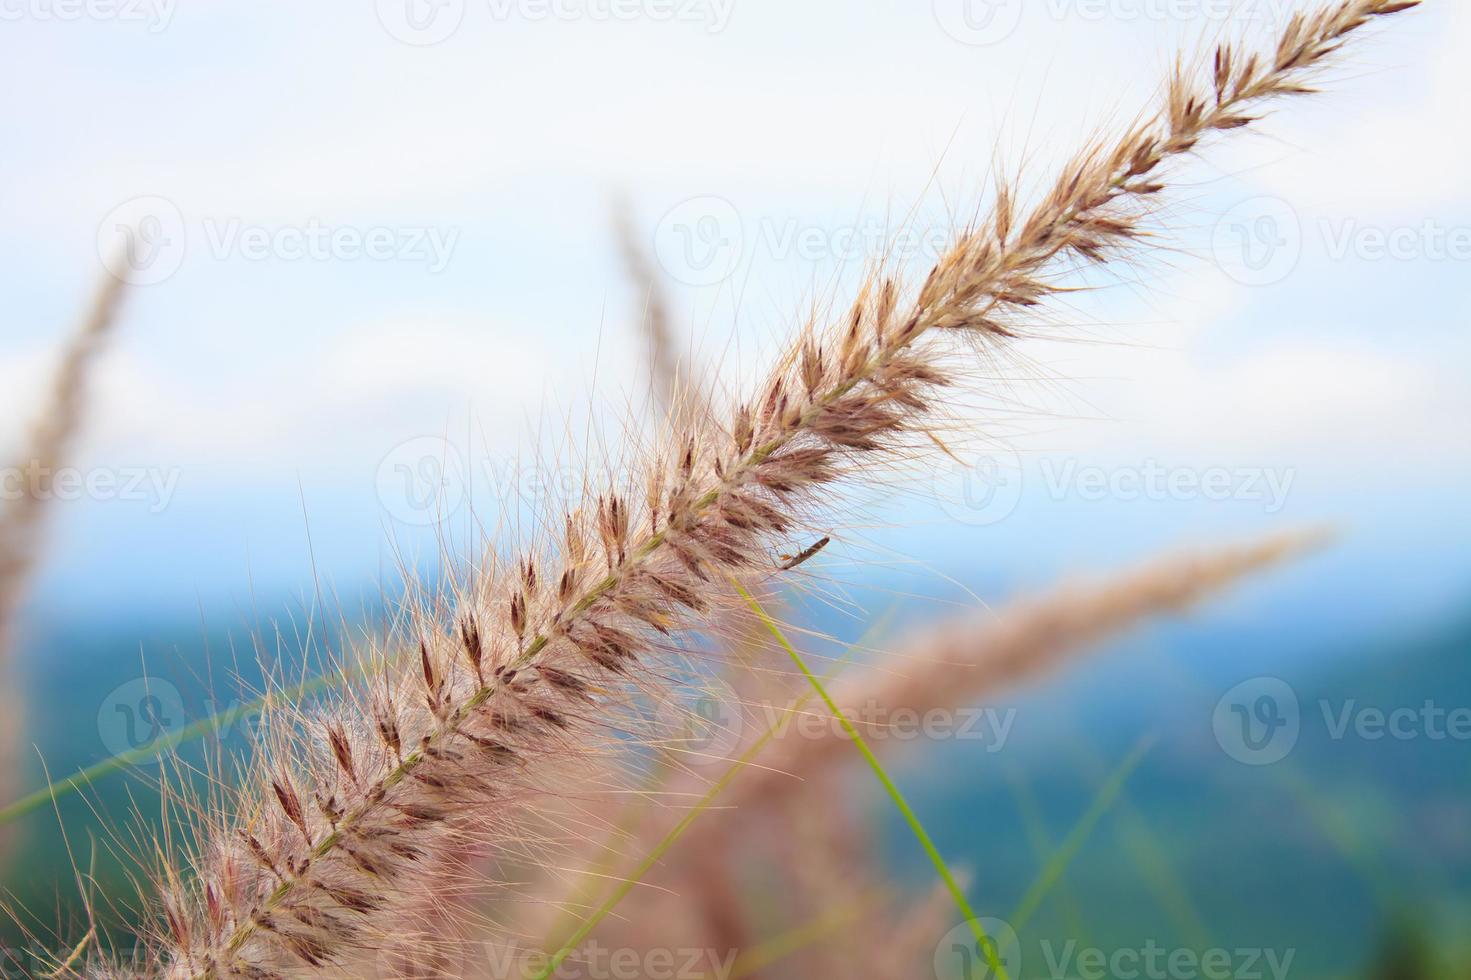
[(841, 402)]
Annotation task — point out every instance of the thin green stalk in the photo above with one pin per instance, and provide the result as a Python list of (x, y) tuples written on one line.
[(983, 942), (653, 857), (164, 743), (1043, 846), (669, 839), (1169, 890), (588, 889), (815, 930), (1341, 834), (1053, 871)]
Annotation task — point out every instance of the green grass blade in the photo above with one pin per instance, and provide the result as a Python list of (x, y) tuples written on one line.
[(652, 858), (1042, 846), (767, 954), (1053, 871), (1335, 826), (571, 943), (193, 731), (603, 864), (983, 942), (1169, 890)]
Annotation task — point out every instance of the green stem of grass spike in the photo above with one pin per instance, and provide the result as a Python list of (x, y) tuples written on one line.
[(983, 942), (570, 944)]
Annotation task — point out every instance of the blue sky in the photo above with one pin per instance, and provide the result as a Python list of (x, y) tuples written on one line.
[(1318, 343)]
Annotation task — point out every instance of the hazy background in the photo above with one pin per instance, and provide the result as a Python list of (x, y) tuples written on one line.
[(1297, 356)]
